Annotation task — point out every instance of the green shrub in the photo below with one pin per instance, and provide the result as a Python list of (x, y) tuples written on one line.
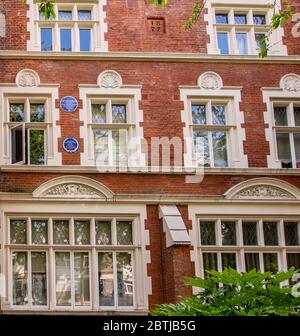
[(240, 294)]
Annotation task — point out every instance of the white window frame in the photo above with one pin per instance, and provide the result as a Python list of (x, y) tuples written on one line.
[(284, 95), (263, 7), (243, 210), (44, 92), (209, 127), (291, 128), (109, 126), (122, 93), (30, 305), (93, 249), (97, 25), (116, 306), (240, 249), (45, 126), (235, 119)]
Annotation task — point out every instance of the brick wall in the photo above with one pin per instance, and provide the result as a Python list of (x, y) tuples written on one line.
[(160, 103), (128, 27)]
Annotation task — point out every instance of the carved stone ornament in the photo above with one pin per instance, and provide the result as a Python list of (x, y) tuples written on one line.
[(109, 79), (27, 78), (291, 83), (210, 81), (73, 190), (263, 192)]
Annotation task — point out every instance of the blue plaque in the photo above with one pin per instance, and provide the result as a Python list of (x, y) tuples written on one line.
[(71, 145), (69, 104)]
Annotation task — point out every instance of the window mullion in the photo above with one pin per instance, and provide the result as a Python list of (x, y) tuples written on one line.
[(110, 148), (115, 279), (94, 271), (218, 232), (71, 232), (219, 260), (29, 281), (291, 117), (261, 262), (52, 280), (260, 233), (211, 151), (293, 149), (23, 145), (72, 280)]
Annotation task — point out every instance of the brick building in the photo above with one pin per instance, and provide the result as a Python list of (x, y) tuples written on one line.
[(93, 219)]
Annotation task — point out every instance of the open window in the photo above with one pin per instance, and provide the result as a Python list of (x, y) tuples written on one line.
[(27, 130)]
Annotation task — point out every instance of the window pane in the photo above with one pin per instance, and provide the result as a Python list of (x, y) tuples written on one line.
[(270, 233), (228, 260), (42, 18), (297, 115), (293, 260), (259, 39), (84, 15), (39, 278), (119, 138), (210, 262), (63, 278), (240, 19), (125, 279), (280, 116), (218, 115), (82, 232), (291, 234), (61, 232), (106, 279), (222, 18), (39, 231), (101, 147), (252, 261), (201, 148), (37, 147), (199, 114), (220, 149), (98, 113), (85, 39), (20, 272), (283, 146), (242, 43), (124, 233), (17, 144), (37, 112), (46, 39), (82, 279), (271, 262), (66, 40), (103, 233), (16, 112), (18, 231), (223, 43), (208, 235), (64, 15), (259, 19), (228, 233), (250, 233), (119, 113), (297, 148)]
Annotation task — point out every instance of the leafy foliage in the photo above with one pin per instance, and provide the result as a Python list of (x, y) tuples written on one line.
[(47, 9), (241, 294)]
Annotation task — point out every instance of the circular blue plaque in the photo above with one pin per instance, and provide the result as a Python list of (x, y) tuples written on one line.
[(69, 104), (71, 145)]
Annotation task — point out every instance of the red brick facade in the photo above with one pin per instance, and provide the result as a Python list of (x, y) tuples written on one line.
[(160, 81)]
